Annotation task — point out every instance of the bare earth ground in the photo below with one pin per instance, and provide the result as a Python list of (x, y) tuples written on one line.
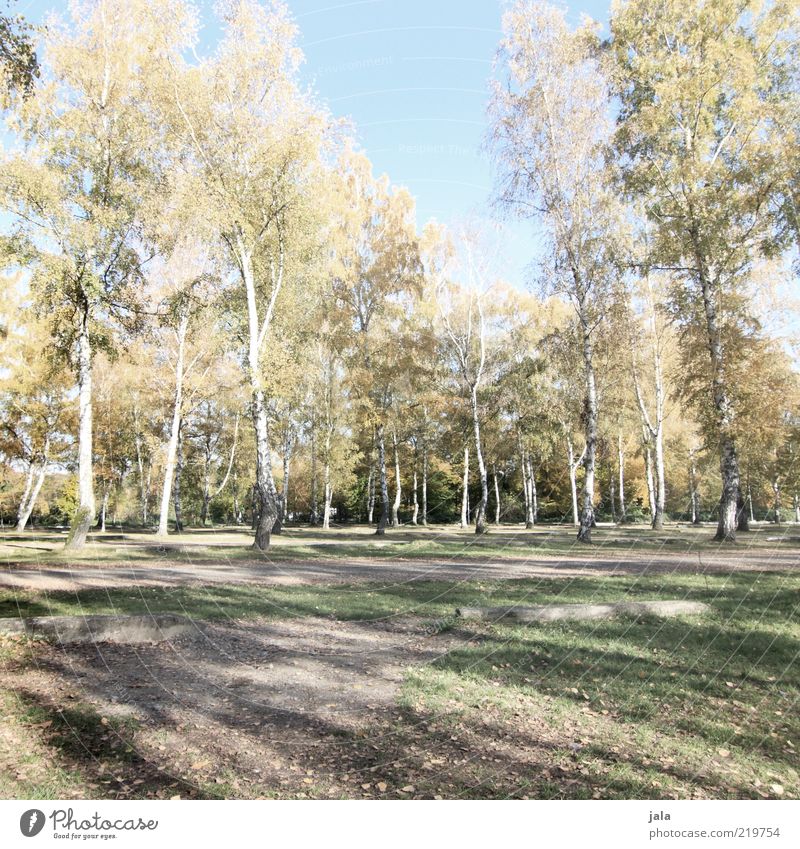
[(314, 707), (262, 706)]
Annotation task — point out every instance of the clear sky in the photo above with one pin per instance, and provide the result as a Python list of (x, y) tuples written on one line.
[(412, 75)]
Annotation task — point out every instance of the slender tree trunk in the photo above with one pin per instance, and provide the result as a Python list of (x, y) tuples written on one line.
[(172, 445), (22, 518), (623, 515), (314, 517), (694, 494), (144, 480), (776, 490), (176, 494), (32, 488), (723, 408), (287, 459), (465, 490), (265, 484), (397, 490), (424, 482), (526, 483), (283, 501), (647, 452), (371, 492), (85, 515), (328, 496), (104, 508), (206, 485), (590, 434), (660, 481), (613, 497), (534, 499), (414, 495), (532, 506), (224, 481), (750, 503), (496, 495), (383, 520), (480, 517), (797, 508), (237, 508), (654, 433)]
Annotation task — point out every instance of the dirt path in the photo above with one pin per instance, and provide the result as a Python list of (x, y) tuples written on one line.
[(312, 708), (164, 573), (262, 707)]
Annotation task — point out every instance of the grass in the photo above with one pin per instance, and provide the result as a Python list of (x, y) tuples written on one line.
[(627, 708), (731, 595), (631, 707), (233, 545)]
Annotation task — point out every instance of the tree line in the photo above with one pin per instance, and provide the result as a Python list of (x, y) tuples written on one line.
[(215, 311)]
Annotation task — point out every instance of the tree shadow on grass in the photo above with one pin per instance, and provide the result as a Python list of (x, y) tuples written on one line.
[(101, 749), (688, 678)]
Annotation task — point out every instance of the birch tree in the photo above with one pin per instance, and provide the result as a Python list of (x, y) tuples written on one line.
[(464, 325), (35, 410), (74, 191), (701, 86), (376, 275), (256, 138), (550, 128)]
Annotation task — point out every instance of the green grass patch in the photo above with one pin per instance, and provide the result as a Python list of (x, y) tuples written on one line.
[(629, 707)]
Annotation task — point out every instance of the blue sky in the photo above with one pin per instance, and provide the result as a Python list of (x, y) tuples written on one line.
[(412, 75)]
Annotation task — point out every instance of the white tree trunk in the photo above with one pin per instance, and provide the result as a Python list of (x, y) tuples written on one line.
[(776, 491), (85, 516), (465, 490), (265, 484), (314, 512), (328, 497), (648, 473), (383, 519), (414, 498), (480, 517), (723, 410), (621, 466), (653, 428), (526, 489), (370, 492), (424, 482), (172, 444), (530, 501), (104, 508), (176, 486), (22, 518), (496, 495), (397, 491), (287, 459), (32, 488), (590, 435)]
